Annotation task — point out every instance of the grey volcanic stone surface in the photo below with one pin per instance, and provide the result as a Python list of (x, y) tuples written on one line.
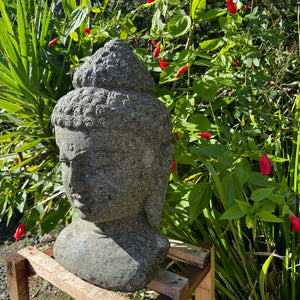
[(115, 66), (120, 257), (114, 140)]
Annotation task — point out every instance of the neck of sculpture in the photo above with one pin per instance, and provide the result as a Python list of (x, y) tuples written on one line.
[(119, 226)]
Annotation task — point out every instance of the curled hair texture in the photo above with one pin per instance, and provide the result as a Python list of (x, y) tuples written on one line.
[(97, 108)]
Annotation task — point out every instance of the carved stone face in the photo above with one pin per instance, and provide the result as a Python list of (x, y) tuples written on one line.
[(107, 174)]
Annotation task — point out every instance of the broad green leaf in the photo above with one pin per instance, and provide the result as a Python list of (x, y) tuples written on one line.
[(242, 170), (201, 122), (210, 45), (179, 25), (277, 198), (211, 150), (244, 206), (199, 198), (228, 188), (174, 2), (234, 212), (157, 23), (74, 36), (263, 276), (260, 194), (257, 179), (213, 13), (205, 63), (266, 216), (169, 73), (198, 9), (187, 159), (206, 89)]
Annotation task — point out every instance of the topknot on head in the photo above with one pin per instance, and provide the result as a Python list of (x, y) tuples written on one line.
[(114, 66)]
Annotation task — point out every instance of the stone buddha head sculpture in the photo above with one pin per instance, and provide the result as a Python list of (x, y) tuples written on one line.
[(115, 153), (114, 141)]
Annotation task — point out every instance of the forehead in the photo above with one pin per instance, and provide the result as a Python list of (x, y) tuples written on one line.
[(74, 142)]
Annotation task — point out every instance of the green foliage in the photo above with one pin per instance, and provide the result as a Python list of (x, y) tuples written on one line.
[(241, 86)]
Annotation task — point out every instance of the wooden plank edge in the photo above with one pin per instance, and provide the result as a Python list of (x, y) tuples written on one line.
[(169, 284), (50, 270), (191, 254)]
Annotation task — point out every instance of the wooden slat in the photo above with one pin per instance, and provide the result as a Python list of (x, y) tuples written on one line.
[(206, 288), (17, 279), (190, 254), (195, 275), (169, 284), (51, 271)]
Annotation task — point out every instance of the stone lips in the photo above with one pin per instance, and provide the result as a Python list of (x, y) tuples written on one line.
[(114, 66)]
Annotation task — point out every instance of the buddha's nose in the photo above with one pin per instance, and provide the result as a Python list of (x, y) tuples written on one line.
[(75, 181)]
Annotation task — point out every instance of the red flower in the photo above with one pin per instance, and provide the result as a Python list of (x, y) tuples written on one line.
[(136, 40), (153, 43), (295, 223), (87, 30), (173, 166), (236, 63), (205, 135), (163, 63), (231, 7), (246, 7), (148, 49), (265, 165), (19, 232), (176, 135), (150, 1), (156, 51), (230, 93), (53, 42), (181, 70)]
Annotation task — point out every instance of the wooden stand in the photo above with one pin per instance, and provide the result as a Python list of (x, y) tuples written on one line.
[(197, 277)]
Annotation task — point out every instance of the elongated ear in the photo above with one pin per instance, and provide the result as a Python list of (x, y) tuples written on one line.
[(157, 189)]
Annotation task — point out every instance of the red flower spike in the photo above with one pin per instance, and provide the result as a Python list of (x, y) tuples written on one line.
[(246, 7), (176, 135), (231, 7), (236, 63), (163, 63), (153, 43), (181, 71), (136, 40), (295, 223), (205, 135), (265, 165), (53, 42), (230, 93), (19, 232), (173, 166), (150, 1), (148, 49), (156, 51), (87, 30)]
